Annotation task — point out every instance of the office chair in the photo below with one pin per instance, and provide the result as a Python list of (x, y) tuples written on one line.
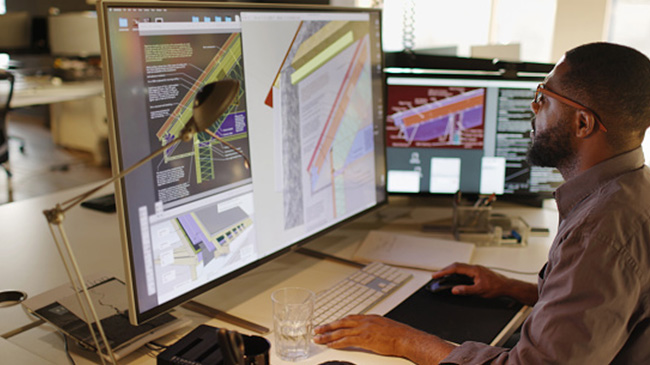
[(4, 137)]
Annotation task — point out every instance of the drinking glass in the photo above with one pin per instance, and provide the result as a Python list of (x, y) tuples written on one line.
[(293, 309)]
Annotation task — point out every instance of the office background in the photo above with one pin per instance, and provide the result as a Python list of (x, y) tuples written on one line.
[(544, 28), (529, 30), (537, 31)]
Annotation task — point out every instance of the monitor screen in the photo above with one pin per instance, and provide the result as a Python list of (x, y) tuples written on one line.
[(466, 133), (309, 115)]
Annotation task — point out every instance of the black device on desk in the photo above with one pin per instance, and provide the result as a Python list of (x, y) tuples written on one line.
[(104, 203), (210, 345), (459, 318), (447, 282), (197, 347)]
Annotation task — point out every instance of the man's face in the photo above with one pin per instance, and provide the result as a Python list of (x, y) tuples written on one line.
[(551, 147), (551, 139)]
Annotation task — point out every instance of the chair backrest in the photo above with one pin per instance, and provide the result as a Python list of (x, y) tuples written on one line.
[(4, 109)]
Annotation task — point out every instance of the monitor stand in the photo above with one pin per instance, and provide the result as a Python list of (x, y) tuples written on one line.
[(326, 256), (205, 310), (223, 316)]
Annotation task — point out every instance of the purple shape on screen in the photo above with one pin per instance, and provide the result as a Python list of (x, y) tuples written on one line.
[(473, 117), (194, 232), (428, 130), (233, 124)]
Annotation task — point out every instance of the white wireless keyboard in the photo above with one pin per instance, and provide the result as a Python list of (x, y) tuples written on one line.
[(358, 292)]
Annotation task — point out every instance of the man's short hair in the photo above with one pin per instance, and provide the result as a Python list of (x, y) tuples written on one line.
[(614, 80)]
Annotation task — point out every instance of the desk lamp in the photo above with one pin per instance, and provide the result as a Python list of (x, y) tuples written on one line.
[(209, 103)]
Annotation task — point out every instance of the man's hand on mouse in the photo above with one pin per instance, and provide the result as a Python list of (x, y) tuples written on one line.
[(487, 283)]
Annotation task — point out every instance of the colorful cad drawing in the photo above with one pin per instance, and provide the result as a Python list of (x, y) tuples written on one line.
[(443, 122), (326, 81), (231, 126), (203, 236)]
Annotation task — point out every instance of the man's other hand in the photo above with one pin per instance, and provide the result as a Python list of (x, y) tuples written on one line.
[(383, 336), (489, 284)]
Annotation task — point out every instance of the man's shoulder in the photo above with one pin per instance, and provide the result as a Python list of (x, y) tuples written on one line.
[(616, 219), (627, 197)]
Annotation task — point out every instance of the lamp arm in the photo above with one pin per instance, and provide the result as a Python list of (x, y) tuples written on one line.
[(190, 129), (214, 135), (71, 203)]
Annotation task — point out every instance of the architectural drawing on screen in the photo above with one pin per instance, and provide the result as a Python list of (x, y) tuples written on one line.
[(451, 121), (191, 247), (173, 78), (327, 139)]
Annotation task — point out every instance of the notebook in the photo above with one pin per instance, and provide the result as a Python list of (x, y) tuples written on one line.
[(412, 251)]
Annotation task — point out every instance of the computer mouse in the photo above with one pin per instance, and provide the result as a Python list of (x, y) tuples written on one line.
[(447, 282)]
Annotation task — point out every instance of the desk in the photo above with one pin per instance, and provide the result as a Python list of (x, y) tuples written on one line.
[(77, 111), (31, 263), (39, 90)]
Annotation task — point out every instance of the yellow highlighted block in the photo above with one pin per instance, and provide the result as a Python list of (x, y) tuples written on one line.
[(320, 59)]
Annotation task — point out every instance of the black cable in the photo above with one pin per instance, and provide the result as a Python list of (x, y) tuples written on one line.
[(66, 348), (155, 348), (158, 345), (65, 340)]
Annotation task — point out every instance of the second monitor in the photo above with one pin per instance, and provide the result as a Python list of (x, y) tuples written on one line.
[(467, 133)]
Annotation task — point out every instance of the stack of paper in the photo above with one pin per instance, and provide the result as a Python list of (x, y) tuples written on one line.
[(412, 251)]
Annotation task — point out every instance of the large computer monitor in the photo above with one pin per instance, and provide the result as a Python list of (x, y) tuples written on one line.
[(310, 115), (465, 130)]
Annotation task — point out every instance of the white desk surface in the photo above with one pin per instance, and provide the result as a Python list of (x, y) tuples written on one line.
[(39, 90), (30, 262), (12, 354)]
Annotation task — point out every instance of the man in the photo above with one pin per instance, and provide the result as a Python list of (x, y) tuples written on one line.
[(592, 301)]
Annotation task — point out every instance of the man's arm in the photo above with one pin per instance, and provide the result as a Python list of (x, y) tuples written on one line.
[(385, 337), (489, 284)]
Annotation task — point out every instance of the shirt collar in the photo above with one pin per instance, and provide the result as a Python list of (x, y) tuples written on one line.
[(572, 192)]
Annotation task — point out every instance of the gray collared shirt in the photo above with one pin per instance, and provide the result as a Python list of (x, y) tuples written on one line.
[(594, 291)]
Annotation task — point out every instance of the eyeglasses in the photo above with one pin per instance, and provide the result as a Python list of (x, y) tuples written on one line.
[(543, 90)]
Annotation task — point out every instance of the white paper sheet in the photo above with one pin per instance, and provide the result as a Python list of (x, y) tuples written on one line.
[(411, 251)]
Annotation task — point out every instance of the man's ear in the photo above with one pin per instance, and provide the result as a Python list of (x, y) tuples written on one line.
[(586, 124)]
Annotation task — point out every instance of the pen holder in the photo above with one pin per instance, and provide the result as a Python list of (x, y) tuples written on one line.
[(480, 226), (471, 219)]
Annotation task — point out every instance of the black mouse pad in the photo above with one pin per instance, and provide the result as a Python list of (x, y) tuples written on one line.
[(456, 318)]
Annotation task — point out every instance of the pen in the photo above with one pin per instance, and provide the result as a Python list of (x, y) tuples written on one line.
[(491, 199), (478, 203), (516, 235)]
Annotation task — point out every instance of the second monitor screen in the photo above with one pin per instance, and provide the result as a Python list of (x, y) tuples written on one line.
[(445, 135)]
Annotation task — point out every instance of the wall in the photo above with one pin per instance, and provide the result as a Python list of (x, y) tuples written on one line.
[(578, 22), (40, 7)]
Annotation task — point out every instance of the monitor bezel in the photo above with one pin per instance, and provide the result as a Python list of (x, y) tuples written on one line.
[(135, 315)]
